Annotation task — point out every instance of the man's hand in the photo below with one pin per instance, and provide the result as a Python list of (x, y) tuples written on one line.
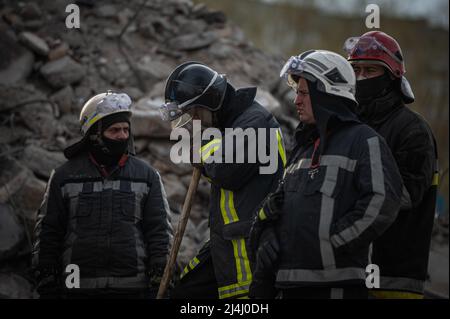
[(48, 283), (155, 274), (263, 284)]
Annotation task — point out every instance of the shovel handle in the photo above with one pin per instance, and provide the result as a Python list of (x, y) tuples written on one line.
[(168, 270)]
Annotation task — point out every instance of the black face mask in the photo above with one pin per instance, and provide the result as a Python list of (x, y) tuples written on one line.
[(110, 152), (369, 89)]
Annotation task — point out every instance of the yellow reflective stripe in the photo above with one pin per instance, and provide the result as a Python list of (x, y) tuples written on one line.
[(194, 262), (435, 179), (233, 290), (208, 149), (229, 213), (232, 209), (281, 148), (237, 260), (226, 220), (92, 120), (386, 294), (214, 141), (246, 261), (209, 152), (262, 214)]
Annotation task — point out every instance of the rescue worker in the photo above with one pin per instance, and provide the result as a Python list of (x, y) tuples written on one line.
[(340, 191), (222, 268), (104, 211), (383, 92)]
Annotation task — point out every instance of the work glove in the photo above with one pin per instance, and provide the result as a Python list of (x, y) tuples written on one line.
[(48, 283), (155, 274), (270, 211), (263, 284)]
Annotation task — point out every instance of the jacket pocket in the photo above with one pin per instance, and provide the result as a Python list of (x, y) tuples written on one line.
[(84, 214), (125, 203), (325, 181)]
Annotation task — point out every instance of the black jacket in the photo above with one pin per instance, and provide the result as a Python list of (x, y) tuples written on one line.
[(113, 228), (237, 189), (340, 193), (402, 252)]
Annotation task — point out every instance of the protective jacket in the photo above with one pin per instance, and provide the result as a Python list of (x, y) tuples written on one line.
[(113, 228)]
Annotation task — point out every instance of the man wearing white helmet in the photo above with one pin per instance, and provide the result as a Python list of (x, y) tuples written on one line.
[(340, 191), (104, 210)]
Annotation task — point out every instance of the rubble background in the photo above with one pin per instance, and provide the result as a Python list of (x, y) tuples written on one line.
[(48, 71)]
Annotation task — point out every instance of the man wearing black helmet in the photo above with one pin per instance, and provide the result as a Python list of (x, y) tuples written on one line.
[(194, 91), (104, 211)]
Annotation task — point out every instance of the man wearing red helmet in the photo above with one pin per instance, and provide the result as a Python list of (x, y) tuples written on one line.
[(382, 92)]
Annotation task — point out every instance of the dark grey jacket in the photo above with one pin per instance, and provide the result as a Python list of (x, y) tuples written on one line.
[(113, 228), (337, 201)]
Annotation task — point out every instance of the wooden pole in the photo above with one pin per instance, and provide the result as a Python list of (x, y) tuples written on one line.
[(179, 233)]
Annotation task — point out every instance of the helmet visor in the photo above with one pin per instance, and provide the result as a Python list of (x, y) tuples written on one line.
[(367, 46), (172, 110), (293, 69)]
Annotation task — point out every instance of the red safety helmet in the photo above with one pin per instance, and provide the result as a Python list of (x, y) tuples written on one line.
[(377, 46)]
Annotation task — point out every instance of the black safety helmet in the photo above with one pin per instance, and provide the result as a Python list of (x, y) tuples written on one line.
[(193, 84)]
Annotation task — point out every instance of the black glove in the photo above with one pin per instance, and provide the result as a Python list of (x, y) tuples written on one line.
[(263, 284), (267, 253), (155, 274), (48, 283)]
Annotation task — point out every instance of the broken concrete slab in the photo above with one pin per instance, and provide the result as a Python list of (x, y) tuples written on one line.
[(63, 98), (11, 232), (62, 72), (34, 43), (41, 161), (190, 42)]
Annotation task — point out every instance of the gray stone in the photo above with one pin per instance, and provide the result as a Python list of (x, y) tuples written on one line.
[(30, 11), (202, 232), (39, 117), (221, 50), (191, 42), (62, 72), (160, 149), (146, 120), (58, 52), (268, 101), (9, 136), (63, 98), (12, 178), (106, 11), (18, 95), (153, 71), (212, 17), (193, 26), (34, 43), (175, 189), (29, 196), (16, 62), (134, 93), (41, 161), (13, 286), (11, 232), (140, 145)]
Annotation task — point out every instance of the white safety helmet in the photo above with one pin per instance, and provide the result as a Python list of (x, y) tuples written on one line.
[(333, 73), (102, 105)]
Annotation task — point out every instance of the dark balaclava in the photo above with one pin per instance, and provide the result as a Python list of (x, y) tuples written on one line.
[(376, 96), (107, 151)]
